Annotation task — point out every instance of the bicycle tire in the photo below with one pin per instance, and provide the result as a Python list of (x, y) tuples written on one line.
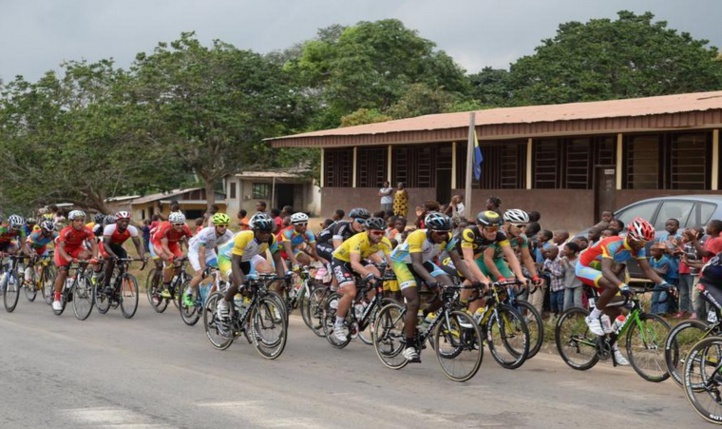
[(210, 326), (83, 297), (329, 318), (304, 304), (679, 342), (508, 337), (102, 301), (190, 314), (270, 328), (535, 325), (158, 303), (128, 296), (315, 311), (388, 336), (459, 346), (47, 280), (30, 286), (702, 382), (149, 285), (11, 291), (366, 336), (576, 345), (645, 349)]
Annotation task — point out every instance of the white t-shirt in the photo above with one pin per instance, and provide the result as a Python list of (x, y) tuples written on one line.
[(387, 195), (460, 209), (207, 238)]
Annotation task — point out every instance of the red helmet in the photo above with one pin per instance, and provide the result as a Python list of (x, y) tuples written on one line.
[(640, 229)]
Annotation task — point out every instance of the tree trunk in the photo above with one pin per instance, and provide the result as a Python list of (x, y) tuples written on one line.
[(210, 193)]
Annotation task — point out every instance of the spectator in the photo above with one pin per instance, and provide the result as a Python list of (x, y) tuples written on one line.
[(616, 225), (401, 200), (387, 196), (606, 218), (261, 206), (553, 266), (145, 229), (399, 226), (711, 247), (572, 284), (581, 241), (660, 263), (594, 234), (199, 224), (243, 221), (688, 272), (456, 207), (670, 239), (560, 237), (429, 206), (337, 215), (277, 219), (608, 233), (212, 209), (325, 224), (533, 228), (494, 204), (287, 211)]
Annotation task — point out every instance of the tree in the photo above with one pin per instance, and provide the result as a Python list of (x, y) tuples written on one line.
[(490, 87), (602, 59), (211, 108)]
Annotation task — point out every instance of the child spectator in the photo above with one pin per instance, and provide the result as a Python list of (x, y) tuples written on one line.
[(687, 255), (338, 215), (533, 228), (199, 224), (660, 263), (277, 219), (707, 250), (399, 226), (560, 237), (616, 225), (593, 236), (572, 284), (326, 223), (243, 221), (670, 239), (608, 233), (553, 266), (582, 242)]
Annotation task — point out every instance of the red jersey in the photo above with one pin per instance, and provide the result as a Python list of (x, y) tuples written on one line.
[(166, 230), (74, 237)]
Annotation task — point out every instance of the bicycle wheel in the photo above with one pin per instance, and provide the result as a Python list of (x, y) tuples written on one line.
[(534, 324), (102, 301), (210, 323), (11, 291), (459, 347), (304, 305), (508, 337), (679, 342), (576, 345), (645, 347), (158, 303), (388, 336), (269, 328), (83, 297), (128, 296), (703, 379), (30, 286), (329, 319), (47, 283), (149, 285), (315, 311), (190, 313)]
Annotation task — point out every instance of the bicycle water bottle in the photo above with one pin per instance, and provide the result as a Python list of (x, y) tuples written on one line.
[(618, 323), (359, 310), (69, 282), (479, 314), (606, 324), (712, 316)]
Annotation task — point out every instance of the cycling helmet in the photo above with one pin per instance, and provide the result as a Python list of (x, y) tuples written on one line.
[(74, 214), (437, 222), (31, 221), (47, 225), (640, 229), (122, 215), (176, 218), (109, 220), (99, 218), (488, 218), (376, 223), (261, 222), (359, 213), (220, 219), (299, 217), (516, 216), (16, 221)]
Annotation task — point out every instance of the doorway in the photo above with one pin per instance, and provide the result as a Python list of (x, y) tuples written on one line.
[(604, 190), (443, 186), (284, 196)]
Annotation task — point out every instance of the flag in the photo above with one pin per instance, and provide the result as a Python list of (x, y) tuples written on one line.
[(478, 158)]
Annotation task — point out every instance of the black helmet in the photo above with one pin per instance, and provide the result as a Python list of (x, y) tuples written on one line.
[(261, 222), (99, 218), (488, 218), (47, 225), (437, 222), (376, 223), (359, 213)]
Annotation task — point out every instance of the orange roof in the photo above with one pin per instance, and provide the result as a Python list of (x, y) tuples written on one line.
[(633, 107)]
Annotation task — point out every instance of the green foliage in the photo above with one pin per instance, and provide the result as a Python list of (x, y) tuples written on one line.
[(364, 116)]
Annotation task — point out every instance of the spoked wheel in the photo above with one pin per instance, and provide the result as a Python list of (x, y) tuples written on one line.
[(102, 301), (158, 303), (269, 327), (210, 323), (703, 379), (128, 296), (149, 285), (366, 336), (190, 309), (329, 319), (534, 323), (458, 344), (83, 297), (30, 286), (645, 347), (576, 345), (508, 337), (313, 315), (47, 282), (388, 336), (679, 342), (11, 291)]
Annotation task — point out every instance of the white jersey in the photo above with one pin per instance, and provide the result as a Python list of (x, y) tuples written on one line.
[(207, 238)]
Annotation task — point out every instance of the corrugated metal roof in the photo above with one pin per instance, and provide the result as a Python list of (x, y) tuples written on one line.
[(633, 107), (162, 195)]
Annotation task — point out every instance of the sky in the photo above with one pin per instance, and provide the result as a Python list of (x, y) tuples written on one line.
[(38, 35)]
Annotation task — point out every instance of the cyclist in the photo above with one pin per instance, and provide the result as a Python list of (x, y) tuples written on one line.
[(413, 262), (111, 247), (166, 247), (594, 268), (330, 238), (202, 250), (349, 258), (298, 243), (70, 248), (247, 247), (12, 236), (38, 244)]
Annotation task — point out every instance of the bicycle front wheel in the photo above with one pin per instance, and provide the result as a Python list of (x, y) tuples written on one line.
[(11, 292), (329, 319), (269, 327), (459, 347), (128, 296), (210, 323), (679, 342), (313, 311), (508, 337), (47, 282), (703, 379), (534, 324), (83, 297), (576, 345), (102, 301), (190, 310), (388, 336), (30, 286), (645, 347)]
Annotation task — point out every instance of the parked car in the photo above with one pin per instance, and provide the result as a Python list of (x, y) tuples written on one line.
[(690, 210)]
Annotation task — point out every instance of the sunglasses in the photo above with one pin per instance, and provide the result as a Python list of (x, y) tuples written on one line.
[(178, 224), (300, 224), (491, 228), (359, 220), (376, 233), (221, 226), (519, 225)]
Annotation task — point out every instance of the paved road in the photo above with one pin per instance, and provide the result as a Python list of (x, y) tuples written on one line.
[(155, 372)]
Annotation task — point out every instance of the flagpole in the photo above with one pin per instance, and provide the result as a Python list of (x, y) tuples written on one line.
[(469, 165)]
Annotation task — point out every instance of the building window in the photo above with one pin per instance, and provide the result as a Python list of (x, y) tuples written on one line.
[(689, 168), (232, 190), (371, 166), (577, 164), (337, 164), (415, 165), (642, 162), (546, 163), (261, 191), (504, 165)]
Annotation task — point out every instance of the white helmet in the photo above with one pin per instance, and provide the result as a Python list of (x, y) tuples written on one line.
[(176, 217), (75, 214), (16, 221), (516, 216), (299, 217)]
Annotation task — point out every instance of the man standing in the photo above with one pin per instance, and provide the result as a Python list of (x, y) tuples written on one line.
[(387, 196)]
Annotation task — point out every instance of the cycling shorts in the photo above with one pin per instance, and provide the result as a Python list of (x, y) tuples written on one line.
[(194, 259), (116, 248), (588, 275), (325, 251), (175, 249), (500, 264), (225, 266), (407, 277), (73, 252)]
